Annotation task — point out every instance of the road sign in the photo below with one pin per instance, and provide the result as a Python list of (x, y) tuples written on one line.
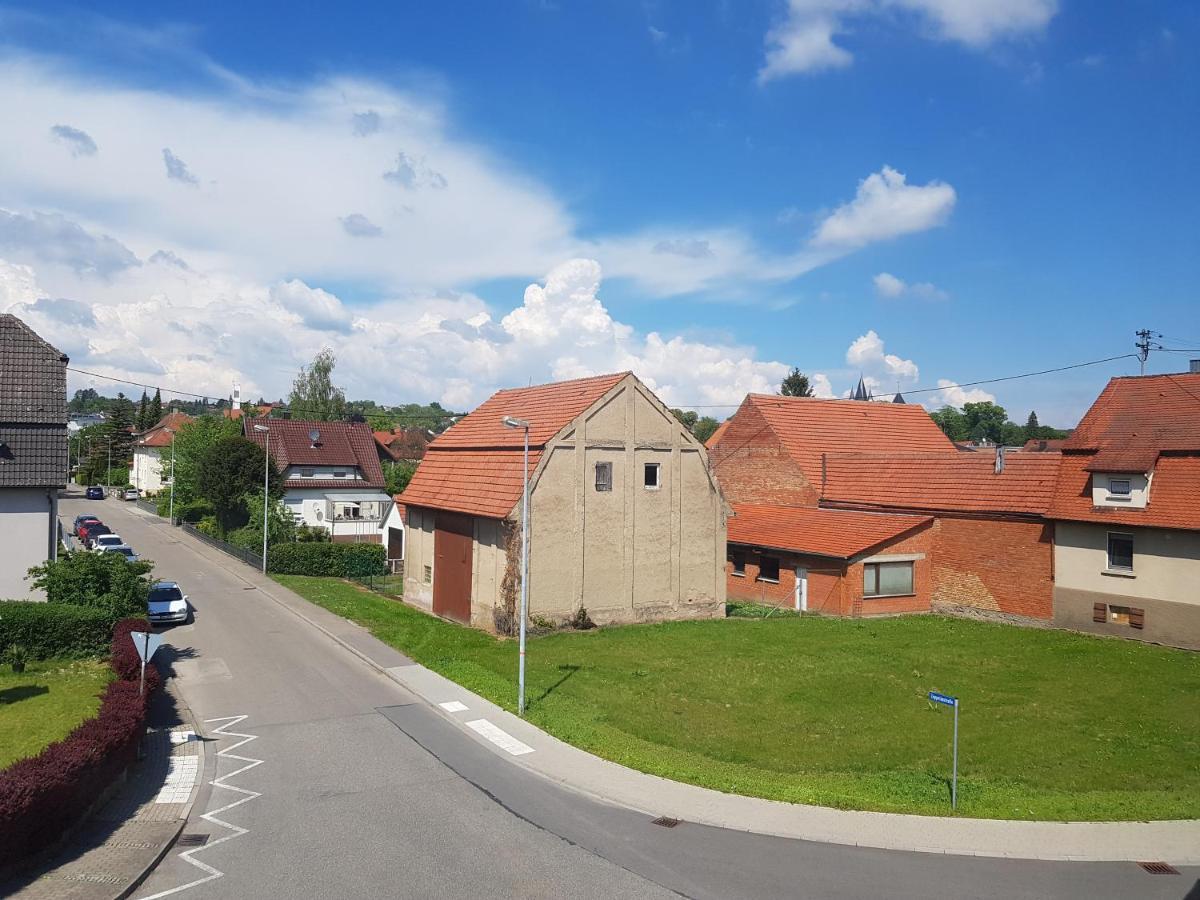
[(952, 702), (943, 699), (145, 643)]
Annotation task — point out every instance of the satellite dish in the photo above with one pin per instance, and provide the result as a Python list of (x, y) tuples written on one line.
[(320, 515), (314, 435)]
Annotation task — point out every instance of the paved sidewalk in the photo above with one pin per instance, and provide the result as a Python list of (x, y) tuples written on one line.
[(110, 855)]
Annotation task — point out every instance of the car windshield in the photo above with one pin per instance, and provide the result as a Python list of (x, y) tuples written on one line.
[(165, 595), (124, 551)]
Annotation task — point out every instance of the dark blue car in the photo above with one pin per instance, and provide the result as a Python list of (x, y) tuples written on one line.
[(95, 493)]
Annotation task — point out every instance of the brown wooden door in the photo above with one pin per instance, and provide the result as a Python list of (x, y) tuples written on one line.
[(452, 546)]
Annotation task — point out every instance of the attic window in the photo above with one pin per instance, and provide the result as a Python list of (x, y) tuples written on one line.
[(306, 472), (604, 476), (651, 476), (1118, 487), (339, 473)]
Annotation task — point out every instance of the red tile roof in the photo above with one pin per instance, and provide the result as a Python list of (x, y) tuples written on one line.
[(1040, 445), (820, 532), (950, 482), (1174, 495), (808, 427), (475, 466), (337, 444), (1136, 460), (158, 436), (1161, 412), (715, 437)]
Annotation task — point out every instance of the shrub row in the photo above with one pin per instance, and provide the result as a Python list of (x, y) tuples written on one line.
[(54, 629), (44, 796), (336, 560)]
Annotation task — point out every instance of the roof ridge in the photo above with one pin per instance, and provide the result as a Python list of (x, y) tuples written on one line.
[(567, 382)]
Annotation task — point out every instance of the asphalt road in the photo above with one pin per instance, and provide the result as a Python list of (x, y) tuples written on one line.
[(363, 791)]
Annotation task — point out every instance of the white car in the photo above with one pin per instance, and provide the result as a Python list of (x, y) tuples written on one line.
[(105, 541), (130, 494), (123, 550), (167, 603)]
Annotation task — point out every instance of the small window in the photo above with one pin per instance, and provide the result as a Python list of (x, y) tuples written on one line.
[(428, 574), (306, 472), (604, 476), (768, 569), (1118, 487), (339, 473), (738, 559), (1120, 552), (887, 579), (650, 476)]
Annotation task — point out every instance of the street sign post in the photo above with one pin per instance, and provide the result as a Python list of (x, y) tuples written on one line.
[(946, 700), (145, 643)]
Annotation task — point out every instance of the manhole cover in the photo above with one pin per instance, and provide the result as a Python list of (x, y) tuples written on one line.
[(1159, 868), (192, 840), (665, 822)]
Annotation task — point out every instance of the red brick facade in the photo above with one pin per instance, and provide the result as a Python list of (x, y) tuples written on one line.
[(753, 467), (995, 565)]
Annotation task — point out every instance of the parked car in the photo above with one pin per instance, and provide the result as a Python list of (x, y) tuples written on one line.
[(90, 531), (94, 493), (123, 550), (131, 493), (83, 520), (106, 540), (167, 603)]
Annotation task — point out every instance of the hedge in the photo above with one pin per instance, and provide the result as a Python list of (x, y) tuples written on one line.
[(55, 629), (42, 797), (336, 560)]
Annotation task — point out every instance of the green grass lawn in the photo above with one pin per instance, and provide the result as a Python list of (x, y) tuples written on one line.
[(1053, 725), (46, 702)]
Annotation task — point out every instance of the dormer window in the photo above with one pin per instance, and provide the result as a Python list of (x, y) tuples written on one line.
[(1118, 487), (306, 472), (339, 473)]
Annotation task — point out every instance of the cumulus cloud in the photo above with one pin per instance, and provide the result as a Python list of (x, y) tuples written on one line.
[(693, 248), (886, 206), (167, 258), (804, 40), (867, 355), (367, 123), (54, 238), (358, 225), (889, 286), (953, 395), (177, 169), (413, 173), (79, 143), (318, 309)]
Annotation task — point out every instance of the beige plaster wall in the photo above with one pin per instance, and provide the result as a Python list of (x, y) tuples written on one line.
[(1166, 563)]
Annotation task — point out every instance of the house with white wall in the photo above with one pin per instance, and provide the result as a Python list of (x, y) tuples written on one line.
[(152, 453), (331, 475)]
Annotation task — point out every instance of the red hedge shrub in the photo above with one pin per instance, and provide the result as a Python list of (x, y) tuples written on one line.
[(43, 796)]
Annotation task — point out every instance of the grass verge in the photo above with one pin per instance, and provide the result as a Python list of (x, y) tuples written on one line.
[(45, 703), (834, 712)]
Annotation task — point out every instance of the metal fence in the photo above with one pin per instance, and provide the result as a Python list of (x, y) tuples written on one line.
[(249, 557), (149, 506), (390, 585)]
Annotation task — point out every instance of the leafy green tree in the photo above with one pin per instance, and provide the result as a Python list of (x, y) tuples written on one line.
[(1033, 431), (796, 385), (1012, 434), (985, 420), (102, 580), (688, 417), (952, 422), (86, 400), (229, 469), (314, 395), (398, 475), (281, 524), (704, 428), (191, 442)]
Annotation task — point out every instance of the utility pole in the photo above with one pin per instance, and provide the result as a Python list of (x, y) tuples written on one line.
[(1144, 347)]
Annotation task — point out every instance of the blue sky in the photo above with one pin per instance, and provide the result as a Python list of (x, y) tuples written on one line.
[(920, 190)]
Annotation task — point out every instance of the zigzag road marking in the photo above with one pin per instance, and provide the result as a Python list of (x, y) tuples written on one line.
[(211, 873)]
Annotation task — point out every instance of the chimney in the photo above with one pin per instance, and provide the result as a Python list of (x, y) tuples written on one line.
[(1194, 367), (999, 459)]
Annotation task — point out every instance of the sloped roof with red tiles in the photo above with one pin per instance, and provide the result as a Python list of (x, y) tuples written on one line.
[(1159, 412), (950, 482), (715, 437), (1174, 500), (1041, 445), (476, 482), (158, 435), (821, 532), (809, 426), (337, 444)]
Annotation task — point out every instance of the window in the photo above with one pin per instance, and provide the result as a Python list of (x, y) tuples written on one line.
[(738, 558), (428, 574), (306, 472), (768, 569), (604, 476), (1118, 487), (338, 473), (650, 476), (1120, 552), (887, 579)]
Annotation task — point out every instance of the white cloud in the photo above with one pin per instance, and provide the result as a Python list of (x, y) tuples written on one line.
[(358, 225), (953, 395), (886, 206), (867, 355), (54, 238), (78, 142), (821, 387), (888, 285), (177, 169), (803, 41)]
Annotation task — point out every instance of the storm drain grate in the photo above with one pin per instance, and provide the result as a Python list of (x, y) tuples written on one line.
[(665, 822), (192, 840), (1159, 868)]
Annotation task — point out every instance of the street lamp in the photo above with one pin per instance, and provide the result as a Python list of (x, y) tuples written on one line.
[(266, 488), (511, 422), (171, 514)]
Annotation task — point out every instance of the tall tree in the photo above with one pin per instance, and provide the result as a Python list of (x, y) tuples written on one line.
[(796, 385), (314, 395), (985, 420), (704, 428), (228, 470), (191, 442), (952, 422), (143, 412), (688, 418), (1033, 430), (156, 411)]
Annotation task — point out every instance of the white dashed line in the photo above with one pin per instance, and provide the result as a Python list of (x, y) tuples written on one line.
[(453, 706), (499, 737)]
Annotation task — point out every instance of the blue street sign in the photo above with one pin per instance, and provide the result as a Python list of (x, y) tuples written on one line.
[(943, 699)]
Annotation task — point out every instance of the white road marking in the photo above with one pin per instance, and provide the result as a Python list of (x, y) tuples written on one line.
[(499, 737), (182, 772), (211, 874), (453, 706)]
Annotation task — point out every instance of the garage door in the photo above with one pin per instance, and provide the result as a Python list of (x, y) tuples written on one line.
[(452, 545)]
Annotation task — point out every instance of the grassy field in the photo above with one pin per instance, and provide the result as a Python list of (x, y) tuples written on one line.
[(45, 702), (834, 712)]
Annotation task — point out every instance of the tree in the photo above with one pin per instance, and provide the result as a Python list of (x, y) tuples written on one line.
[(191, 443), (796, 385), (1012, 434), (985, 420), (687, 418), (143, 412), (1033, 430), (704, 428), (314, 395), (952, 422), (102, 580), (397, 475), (229, 469), (86, 400), (156, 410)]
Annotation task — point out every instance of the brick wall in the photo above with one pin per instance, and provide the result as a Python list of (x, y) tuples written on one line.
[(918, 542), (752, 467), (994, 565)]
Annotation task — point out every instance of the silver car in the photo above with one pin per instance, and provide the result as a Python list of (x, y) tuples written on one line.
[(167, 603), (123, 549)]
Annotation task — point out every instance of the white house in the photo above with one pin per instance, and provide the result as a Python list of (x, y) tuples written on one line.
[(332, 477), (151, 450), (393, 534)]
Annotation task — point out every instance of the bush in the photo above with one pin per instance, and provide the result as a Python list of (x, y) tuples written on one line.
[(246, 538), (43, 796), (208, 525), (100, 580), (192, 511), (55, 629), (333, 560)]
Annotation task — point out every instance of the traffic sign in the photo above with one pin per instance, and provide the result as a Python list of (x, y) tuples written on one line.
[(943, 699), (952, 702), (146, 643)]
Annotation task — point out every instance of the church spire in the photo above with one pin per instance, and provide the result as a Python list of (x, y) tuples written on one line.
[(861, 392)]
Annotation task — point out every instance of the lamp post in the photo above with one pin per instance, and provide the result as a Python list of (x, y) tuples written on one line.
[(171, 514), (266, 488), (510, 422)]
